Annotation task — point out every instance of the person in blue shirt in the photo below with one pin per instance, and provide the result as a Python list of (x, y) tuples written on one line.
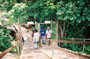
[(43, 32)]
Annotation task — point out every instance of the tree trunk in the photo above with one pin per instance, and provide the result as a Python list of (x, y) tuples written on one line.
[(61, 29)]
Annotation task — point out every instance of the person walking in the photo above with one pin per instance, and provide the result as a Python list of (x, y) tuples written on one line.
[(28, 34), (36, 39), (48, 34), (43, 32)]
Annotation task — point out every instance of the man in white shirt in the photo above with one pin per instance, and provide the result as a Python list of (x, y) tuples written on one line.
[(49, 33), (36, 39)]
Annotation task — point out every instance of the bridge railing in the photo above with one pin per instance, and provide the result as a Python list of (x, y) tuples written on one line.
[(73, 40), (79, 42), (15, 48), (76, 42)]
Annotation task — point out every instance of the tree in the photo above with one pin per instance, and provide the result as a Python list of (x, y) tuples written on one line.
[(19, 10), (42, 10), (72, 13)]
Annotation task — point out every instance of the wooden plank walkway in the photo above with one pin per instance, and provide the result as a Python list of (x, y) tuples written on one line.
[(29, 52)]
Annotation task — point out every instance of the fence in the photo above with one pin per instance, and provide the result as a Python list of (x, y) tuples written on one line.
[(17, 46), (76, 43), (83, 42)]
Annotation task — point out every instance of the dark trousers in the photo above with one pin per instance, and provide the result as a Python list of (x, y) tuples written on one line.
[(49, 42)]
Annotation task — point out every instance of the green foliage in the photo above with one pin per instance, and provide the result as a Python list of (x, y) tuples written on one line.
[(73, 10), (87, 49), (42, 10), (76, 13), (4, 39), (19, 11), (6, 5), (77, 47)]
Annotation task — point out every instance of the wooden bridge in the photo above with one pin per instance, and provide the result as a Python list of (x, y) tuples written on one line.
[(44, 52), (47, 52)]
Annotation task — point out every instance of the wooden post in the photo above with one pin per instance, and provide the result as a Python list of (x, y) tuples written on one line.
[(53, 50), (18, 50), (51, 33), (51, 24), (19, 28), (19, 39), (40, 38), (19, 31), (58, 33), (83, 46), (52, 42), (37, 25)]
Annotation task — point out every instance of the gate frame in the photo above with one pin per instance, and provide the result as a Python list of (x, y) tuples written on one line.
[(51, 22)]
